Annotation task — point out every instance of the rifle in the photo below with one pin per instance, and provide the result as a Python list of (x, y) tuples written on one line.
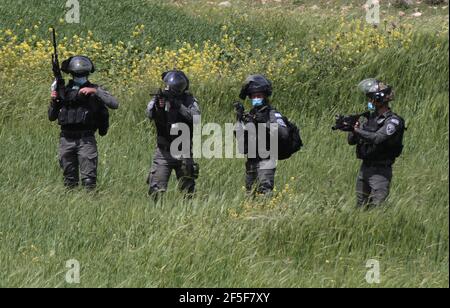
[(242, 115), (60, 83), (346, 123), (166, 95)]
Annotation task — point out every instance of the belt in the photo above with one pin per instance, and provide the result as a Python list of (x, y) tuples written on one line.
[(77, 134), (384, 164)]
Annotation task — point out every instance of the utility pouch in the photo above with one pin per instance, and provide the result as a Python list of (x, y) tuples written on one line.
[(82, 116), (72, 116), (63, 116)]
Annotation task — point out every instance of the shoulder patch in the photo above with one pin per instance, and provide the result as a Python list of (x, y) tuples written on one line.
[(395, 121), (391, 129), (195, 105), (278, 115), (151, 104), (281, 123)]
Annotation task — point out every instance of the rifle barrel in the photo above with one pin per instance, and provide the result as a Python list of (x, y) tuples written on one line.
[(54, 41)]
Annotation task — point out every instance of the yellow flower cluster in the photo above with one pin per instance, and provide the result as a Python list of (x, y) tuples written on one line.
[(138, 31), (135, 64), (279, 201), (357, 38), (138, 62), (202, 62)]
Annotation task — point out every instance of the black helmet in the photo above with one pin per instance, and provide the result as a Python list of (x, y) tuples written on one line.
[(377, 90), (176, 82), (256, 84), (79, 66)]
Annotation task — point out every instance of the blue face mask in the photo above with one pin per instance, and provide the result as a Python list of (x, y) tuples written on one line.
[(79, 81), (256, 102), (371, 106)]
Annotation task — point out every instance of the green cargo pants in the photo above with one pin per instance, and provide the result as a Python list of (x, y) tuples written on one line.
[(260, 176), (79, 156), (373, 184), (161, 170)]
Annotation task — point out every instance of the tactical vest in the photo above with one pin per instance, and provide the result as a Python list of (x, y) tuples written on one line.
[(386, 151), (263, 113), (82, 113), (286, 148), (166, 120)]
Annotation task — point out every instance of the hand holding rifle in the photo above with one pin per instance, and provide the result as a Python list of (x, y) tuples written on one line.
[(348, 123)]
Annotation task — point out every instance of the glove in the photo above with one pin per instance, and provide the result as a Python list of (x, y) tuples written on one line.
[(240, 110), (158, 105)]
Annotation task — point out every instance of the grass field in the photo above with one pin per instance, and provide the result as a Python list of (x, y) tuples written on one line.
[(311, 235)]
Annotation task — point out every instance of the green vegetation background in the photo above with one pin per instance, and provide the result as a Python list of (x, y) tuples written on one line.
[(314, 237)]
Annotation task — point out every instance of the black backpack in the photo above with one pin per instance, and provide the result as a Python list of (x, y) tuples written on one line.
[(293, 144)]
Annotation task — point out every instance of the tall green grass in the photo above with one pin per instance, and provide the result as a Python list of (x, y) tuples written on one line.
[(318, 239)]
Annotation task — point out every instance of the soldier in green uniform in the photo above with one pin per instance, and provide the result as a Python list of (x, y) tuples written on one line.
[(260, 171), (80, 110), (174, 106), (379, 142)]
